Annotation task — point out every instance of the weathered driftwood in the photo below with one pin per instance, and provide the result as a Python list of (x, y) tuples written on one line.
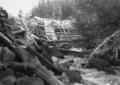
[(27, 31), (67, 41), (3, 37), (30, 56), (37, 69), (68, 52)]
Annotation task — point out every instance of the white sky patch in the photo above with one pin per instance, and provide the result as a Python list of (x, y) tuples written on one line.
[(13, 6)]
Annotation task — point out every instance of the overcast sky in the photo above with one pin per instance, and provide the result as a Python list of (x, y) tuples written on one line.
[(13, 6)]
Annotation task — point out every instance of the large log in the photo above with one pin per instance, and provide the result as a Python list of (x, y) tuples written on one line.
[(32, 51), (43, 60), (71, 52)]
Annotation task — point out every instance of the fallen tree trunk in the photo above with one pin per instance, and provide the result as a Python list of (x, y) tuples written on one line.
[(71, 52), (44, 61), (100, 45)]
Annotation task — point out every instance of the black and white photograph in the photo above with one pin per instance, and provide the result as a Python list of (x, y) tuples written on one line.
[(59, 42)]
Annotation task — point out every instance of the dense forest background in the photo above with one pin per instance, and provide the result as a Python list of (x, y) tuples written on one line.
[(95, 19)]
